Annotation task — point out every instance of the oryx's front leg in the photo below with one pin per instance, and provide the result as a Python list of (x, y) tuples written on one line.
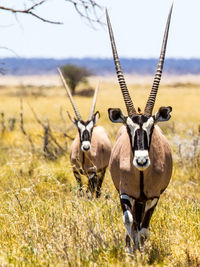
[(100, 179), (92, 181), (127, 207), (138, 209), (147, 214), (79, 181)]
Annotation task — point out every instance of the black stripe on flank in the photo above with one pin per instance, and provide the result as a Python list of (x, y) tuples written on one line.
[(139, 208), (142, 197), (83, 163)]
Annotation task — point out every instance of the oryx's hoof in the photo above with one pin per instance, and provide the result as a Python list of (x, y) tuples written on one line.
[(89, 195), (80, 193), (129, 250), (143, 234)]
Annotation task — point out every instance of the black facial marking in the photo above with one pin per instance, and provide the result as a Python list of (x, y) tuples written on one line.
[(140, 140), (86, 136), (84, 122), (139, 119)]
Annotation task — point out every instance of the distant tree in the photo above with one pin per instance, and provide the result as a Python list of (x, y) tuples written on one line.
[(74, 75)]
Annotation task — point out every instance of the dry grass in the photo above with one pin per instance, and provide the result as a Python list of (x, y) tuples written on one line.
[(44, 223)]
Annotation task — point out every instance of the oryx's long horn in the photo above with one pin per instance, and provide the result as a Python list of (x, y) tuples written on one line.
[(152, 97), (127, 99), (94, 102), (69, 94)]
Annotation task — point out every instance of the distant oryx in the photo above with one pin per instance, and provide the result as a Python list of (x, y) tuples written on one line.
[(141, 160), (91, 149)]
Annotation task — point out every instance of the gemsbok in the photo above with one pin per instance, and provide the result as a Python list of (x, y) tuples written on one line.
[(141, 159), (90, 151)]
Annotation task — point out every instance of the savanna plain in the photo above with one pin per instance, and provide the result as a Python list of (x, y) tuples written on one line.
[(43, 221)]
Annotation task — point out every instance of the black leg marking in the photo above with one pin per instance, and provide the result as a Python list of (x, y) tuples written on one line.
[(92, 181), (138, 208), (143, 233), (100, 179), (125, 202), (128, 241), (147, 216)]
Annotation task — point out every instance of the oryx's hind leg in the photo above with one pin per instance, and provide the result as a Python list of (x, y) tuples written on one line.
[(92, 181), (128, 244), (127, 204), (147, 214), (100, 179), (79, 182)]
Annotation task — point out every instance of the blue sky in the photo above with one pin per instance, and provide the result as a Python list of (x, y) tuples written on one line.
[(138, 27)]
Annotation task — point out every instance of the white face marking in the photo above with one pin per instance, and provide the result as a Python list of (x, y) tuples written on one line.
[(82, 127), (90, 126), (131, 124), (141, 157), (85, 145), (147, 127), (133, 127)]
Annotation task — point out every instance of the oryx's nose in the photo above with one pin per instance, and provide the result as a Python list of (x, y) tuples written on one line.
[(85, 146), (141, 159)]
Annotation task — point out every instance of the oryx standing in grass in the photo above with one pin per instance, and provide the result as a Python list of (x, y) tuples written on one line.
[(91, 149), (141, 160)]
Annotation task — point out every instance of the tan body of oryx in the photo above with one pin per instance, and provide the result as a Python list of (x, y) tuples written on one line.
[(97, 158), (141, 160), (126, 177), (90, 151)]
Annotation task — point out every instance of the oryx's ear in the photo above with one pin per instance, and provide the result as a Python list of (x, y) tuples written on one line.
[(72, 119), (116, 116), (95, 117), (163, 114)]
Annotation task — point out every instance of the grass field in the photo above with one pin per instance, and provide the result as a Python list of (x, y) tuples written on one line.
[(44, 223)]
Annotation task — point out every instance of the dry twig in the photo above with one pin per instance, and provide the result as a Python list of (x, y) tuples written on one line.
[(85, 8), (47, 133), (30, 11), (22, 125)]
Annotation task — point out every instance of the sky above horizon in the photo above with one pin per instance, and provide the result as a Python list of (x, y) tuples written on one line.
[(138, 27)]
